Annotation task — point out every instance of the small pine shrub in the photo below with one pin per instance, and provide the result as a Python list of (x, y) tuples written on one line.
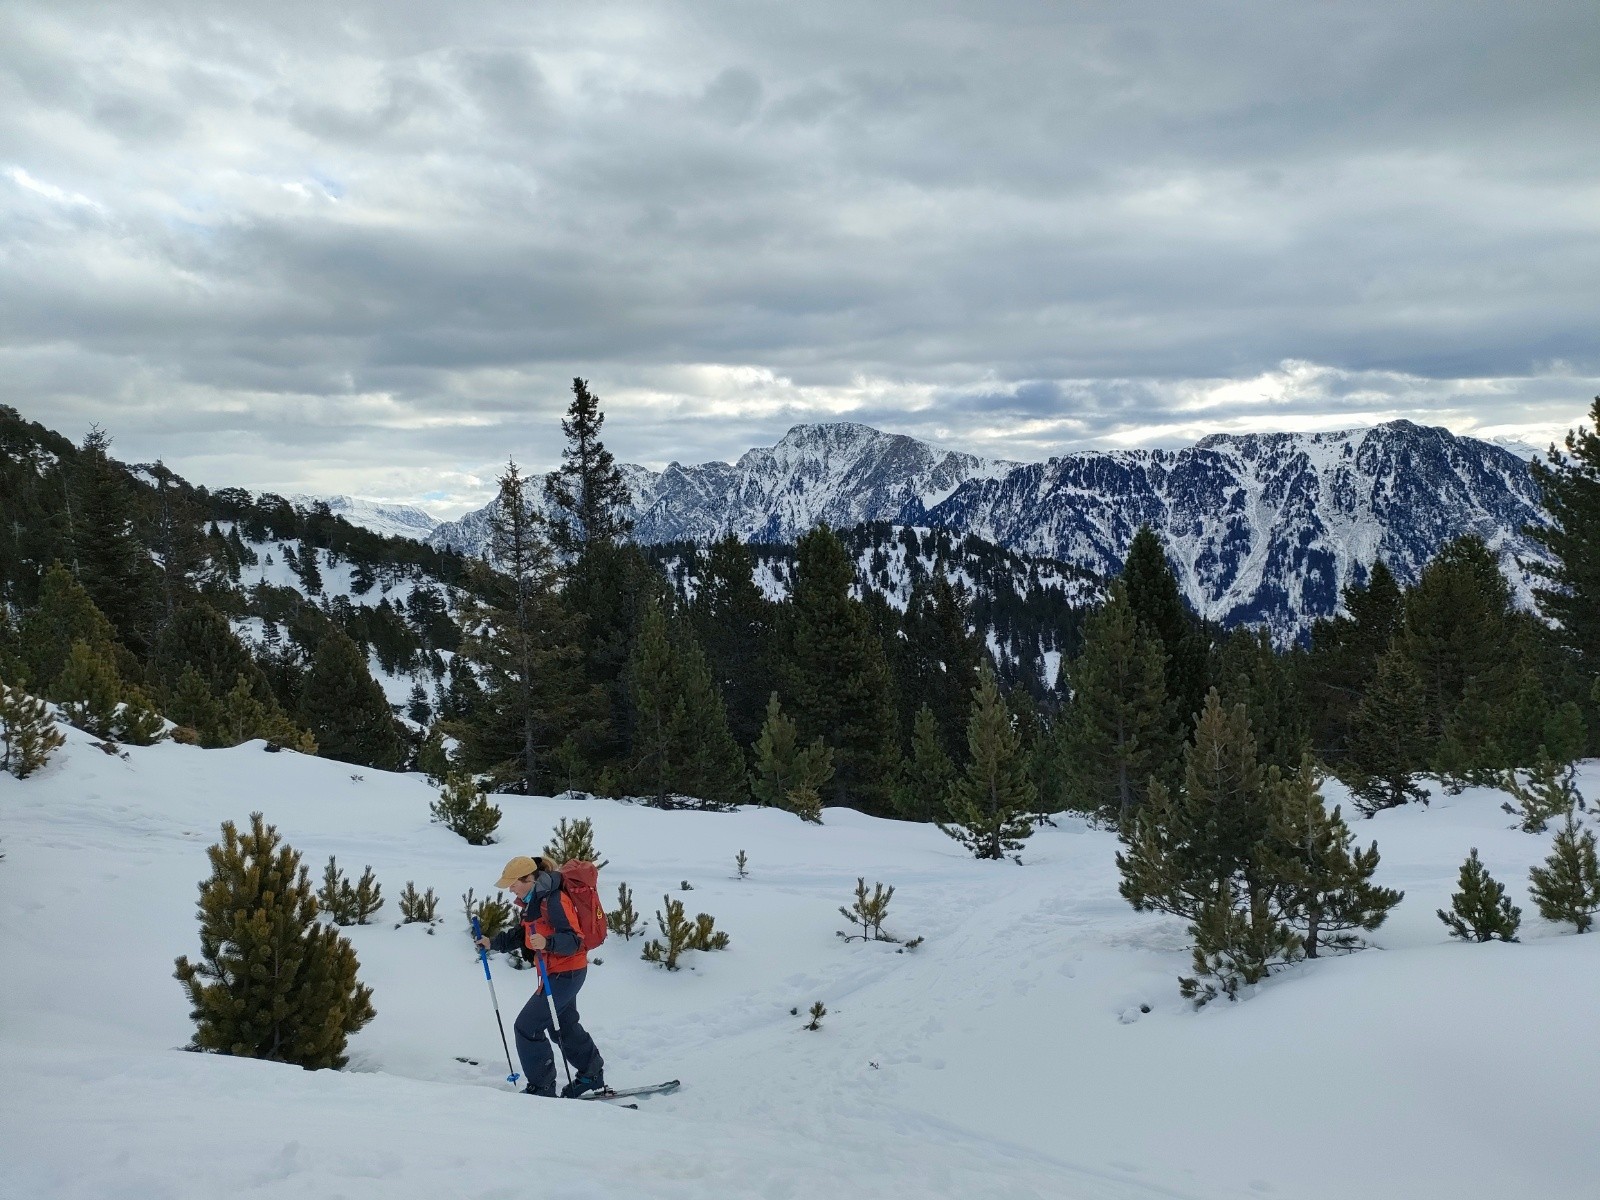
[(623, 919), (1567, 887), (805, 802), (1542, 794), (742, 862), (573, 841), (336, 897), (367, 898), (493, 915), (418, 908), (137, 722), (869, 912), (818, 1011), (462, 808), (1480, 911), (271, 981), (28, 733), (680, 934)]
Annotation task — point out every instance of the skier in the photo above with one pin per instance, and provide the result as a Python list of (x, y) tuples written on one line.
[(548, 928)]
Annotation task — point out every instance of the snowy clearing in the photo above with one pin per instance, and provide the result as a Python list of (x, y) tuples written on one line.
[(1007, 1056)]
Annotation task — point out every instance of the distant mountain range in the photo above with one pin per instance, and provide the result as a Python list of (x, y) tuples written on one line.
[(1261, 528), (390, 520)]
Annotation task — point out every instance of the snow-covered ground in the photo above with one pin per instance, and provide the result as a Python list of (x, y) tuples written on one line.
[(1008, 1056)]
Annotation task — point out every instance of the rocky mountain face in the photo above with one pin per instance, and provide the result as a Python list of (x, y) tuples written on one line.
[(1262, 529)]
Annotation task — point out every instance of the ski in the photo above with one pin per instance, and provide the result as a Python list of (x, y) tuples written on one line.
[(653, 1089)]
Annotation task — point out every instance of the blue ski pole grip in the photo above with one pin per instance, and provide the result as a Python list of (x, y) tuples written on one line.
[(483, 955)]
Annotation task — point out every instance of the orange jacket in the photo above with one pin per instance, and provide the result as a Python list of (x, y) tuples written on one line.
[(559, 935)]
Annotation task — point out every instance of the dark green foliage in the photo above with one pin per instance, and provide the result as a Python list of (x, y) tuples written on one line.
[(137, 721), (839, 678), (272, 981), (198, 636), (945, 652), (346, 710), (336, 897), (526, 642), (678, 935), (733, 621), (418, 908), (464, 809), (88, 691), (1343, 659), (110, 559), (682, 746), (742, 862), (1323, 880), (1152, 591), (869, 911), (1118, 731), (432, 760), (623, 918), (28, 736), (64, 617), (817, 1012), (925, 774), (1567, 887), (1251, 672), (587, 490), (1570, 482), (1480, 910), (1235, 944), (1388, 739), (989, 808), (573, 841), (1190, 846), (1546, 791), (788, 775)]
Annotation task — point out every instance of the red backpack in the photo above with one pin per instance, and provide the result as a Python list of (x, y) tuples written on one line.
[(581, 881)]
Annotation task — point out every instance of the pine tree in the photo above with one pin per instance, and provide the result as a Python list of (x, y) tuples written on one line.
[(1567, 887), (1200, 843), (199, 637), (28, 736), (587, 491), (946, 653), (925, 774), (989, 807), (732, 621), (137, 721), (345, 709), (1388, 741), (1546, 791), (64, 616), (681, 741), (571, 842), (1480, 910), (1343, 659), (463, 808), (112, 563), (1118, 733), (272, 981), (1251, 672), (1157, 603), (839, 675), (1570, 483), (785, 772), (1324, 880), (88, 691), (525, 638), (1237, 942)]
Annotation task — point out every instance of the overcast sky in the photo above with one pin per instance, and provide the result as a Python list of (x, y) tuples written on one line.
[(364, 247)]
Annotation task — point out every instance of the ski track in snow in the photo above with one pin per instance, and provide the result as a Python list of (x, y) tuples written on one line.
[(1006, 1056)]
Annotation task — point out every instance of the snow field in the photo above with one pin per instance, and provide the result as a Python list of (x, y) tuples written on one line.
[(1007, 1056)]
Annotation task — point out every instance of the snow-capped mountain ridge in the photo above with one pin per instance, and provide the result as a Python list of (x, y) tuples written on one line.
[(1262, 528), (390, 520)]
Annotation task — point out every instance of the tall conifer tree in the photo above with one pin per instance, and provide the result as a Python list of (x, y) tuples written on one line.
[(1570, 482), (839, 677), (989, 808), (346, 710)]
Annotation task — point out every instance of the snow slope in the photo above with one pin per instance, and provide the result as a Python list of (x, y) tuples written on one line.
[(1006, 1057)]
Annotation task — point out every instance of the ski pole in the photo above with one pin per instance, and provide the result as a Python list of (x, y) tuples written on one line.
[(483, 956), (555, 1021)]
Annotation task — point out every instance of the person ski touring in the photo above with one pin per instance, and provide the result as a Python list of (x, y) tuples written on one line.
[(548, 928)]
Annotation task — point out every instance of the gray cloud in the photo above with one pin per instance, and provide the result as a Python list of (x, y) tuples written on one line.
[(366, 246)]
